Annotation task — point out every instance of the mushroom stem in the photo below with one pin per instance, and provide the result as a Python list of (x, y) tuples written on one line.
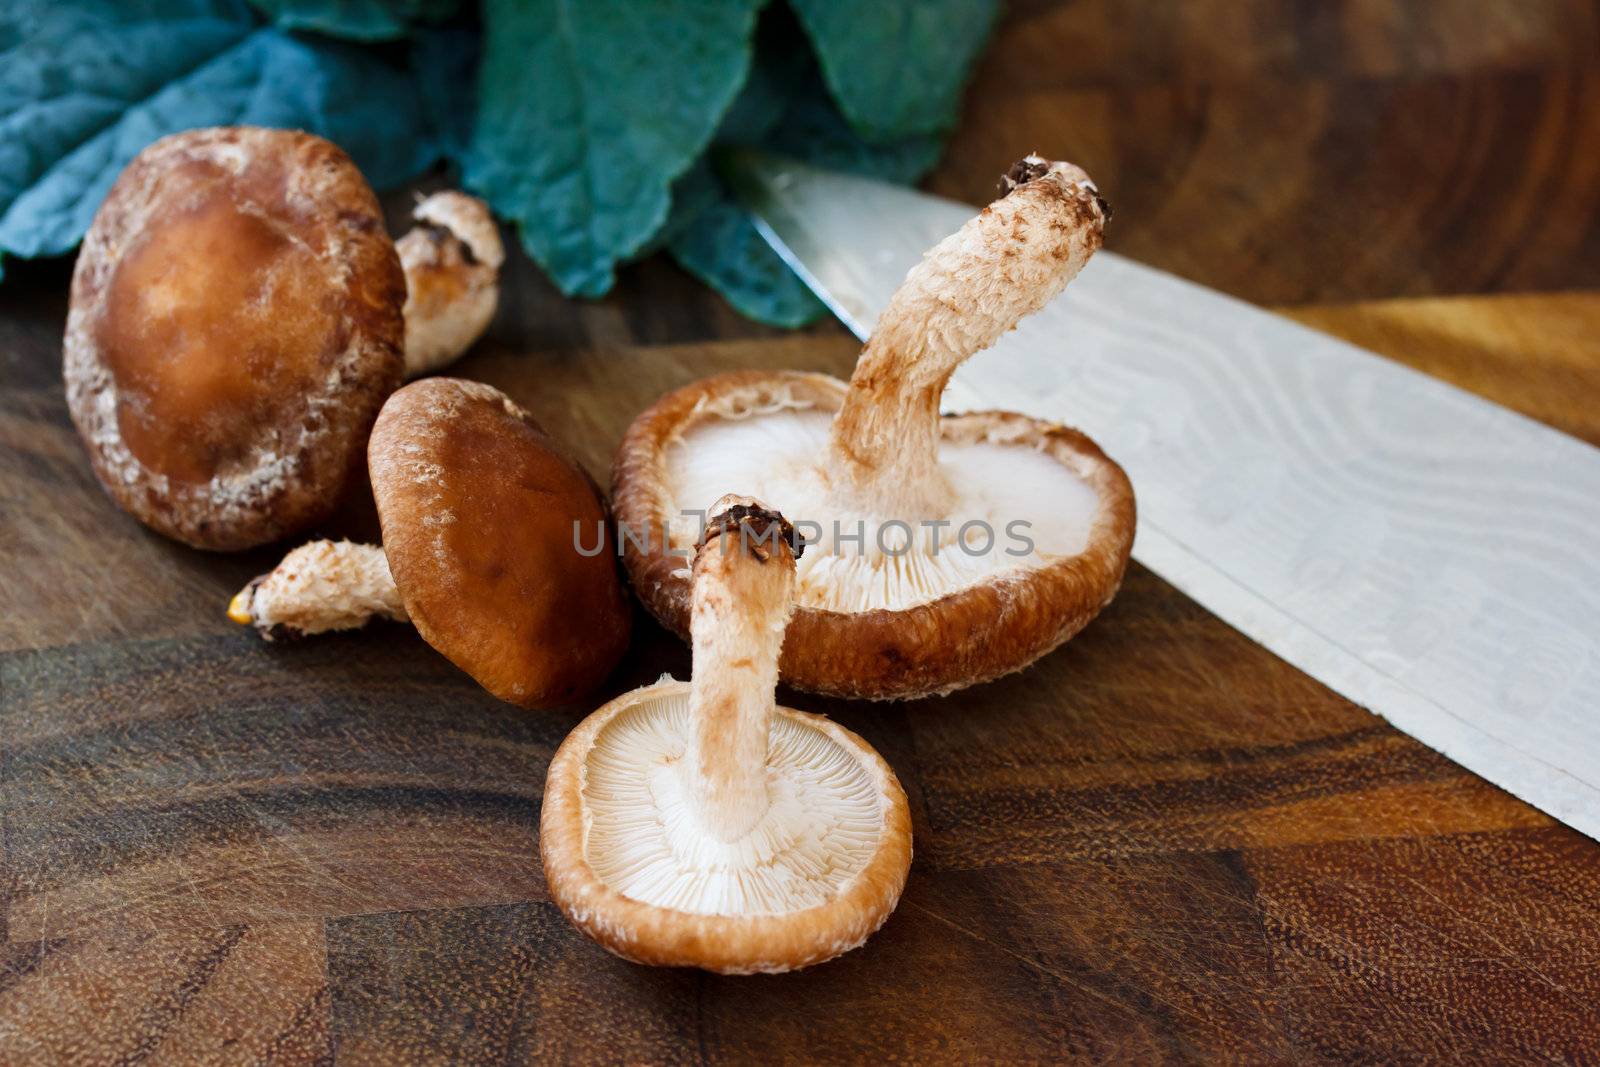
[(967, 292), (320, 586), (452, 260), (743, 593)]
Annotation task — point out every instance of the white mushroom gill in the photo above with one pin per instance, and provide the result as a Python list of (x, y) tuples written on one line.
[(1036, 509), (646, 838)]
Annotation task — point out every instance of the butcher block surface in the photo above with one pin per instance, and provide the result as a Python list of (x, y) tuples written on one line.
[(1158, 844)]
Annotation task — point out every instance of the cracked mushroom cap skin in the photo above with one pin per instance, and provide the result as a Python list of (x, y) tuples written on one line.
[(235, 325), (879, 625), (478, 507), (699, 824)]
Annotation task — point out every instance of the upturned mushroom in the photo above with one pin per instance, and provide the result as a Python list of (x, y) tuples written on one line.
[(479, 511), (698, 823), (949, 550), (238, 316)]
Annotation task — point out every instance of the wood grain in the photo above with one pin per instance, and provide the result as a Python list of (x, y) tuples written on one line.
[(183, 994), (1287, 152), (1532, 352), (1159, 844)]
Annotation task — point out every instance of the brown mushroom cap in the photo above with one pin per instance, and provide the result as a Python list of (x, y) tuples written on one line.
[(480, 511), (935, 641), (235, 325), (951, 550)]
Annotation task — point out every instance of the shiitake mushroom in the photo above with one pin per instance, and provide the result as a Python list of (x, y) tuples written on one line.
[(480, 510), (238, 315), (1006, 534)]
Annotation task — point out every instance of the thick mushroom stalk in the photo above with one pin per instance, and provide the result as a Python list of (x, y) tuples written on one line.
[(743, 594), (968, 291), (452, 259), (320, 586)]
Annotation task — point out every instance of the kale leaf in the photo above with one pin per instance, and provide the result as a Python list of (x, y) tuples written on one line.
[(896, 67), (589, 124), (85, 85), (589, 110), (356, 20), (784, 109)]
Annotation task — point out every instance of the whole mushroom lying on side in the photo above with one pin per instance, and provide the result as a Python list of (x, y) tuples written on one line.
[(238, 316), (479, 510), (697, 823), (950, 550)]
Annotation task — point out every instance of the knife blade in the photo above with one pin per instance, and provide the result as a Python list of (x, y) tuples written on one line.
[(1423, 552)]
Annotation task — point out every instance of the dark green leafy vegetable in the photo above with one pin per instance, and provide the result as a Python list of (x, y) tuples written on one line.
[(445, 60), (588, 123), (589, 111), (721, 247), (719, 244), (813, 130), (357, 20), (84, 87), (896, 67)]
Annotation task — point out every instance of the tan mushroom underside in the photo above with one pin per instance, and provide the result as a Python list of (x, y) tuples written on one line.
[(818, 875), (1008, 614)]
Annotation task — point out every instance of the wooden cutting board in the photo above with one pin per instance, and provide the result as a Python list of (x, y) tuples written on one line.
[(1160, 843)]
